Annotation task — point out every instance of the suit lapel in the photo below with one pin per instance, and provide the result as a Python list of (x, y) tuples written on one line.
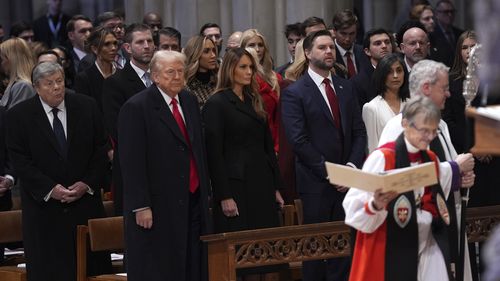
[(133, 79), (317, 97), (163, 112), (73, 117), (188, 118), (44, 124), (342, 98)]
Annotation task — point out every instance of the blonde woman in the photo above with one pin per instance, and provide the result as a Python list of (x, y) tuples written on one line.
[(299, 65), (201, 67), (17, 63), (267, 79)]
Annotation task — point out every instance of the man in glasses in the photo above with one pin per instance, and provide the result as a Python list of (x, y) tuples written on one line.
[(113, 21), (445, 35), (430, 78)]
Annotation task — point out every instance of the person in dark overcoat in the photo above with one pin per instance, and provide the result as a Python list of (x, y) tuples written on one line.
[(243, 166), (56, 144), (165, 179)]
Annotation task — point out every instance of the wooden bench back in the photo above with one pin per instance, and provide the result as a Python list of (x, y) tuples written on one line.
[(106, 234), (11, 226)]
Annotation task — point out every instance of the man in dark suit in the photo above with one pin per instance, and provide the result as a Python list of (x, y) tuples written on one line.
[(322, 121), (6, 181), (122, 85), (377, 43), (164, 175), (56, 146), (51, 27), (445, 35), (348, 54), (78, 27)]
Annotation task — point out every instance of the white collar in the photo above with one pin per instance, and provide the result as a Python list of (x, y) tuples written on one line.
[(167, 98), (138, 70), (79, 53), (48, 109), (318, 79), (113, 70), (343, 51), (410, 147)]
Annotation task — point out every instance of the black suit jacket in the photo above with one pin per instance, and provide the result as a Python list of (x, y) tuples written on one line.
[(89, 82), (117, 89), (310, 129), (35, 155), (43, 33), (6, 199), (441, 49), (154, 158), (361, 60), (364, 86)]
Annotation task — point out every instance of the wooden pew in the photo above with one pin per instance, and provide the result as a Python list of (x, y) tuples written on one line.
[(230, 251), (11, 231), (105, 234)]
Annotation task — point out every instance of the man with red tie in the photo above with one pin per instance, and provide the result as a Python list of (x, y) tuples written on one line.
[(164, 175), (322, 122), (348, 53)]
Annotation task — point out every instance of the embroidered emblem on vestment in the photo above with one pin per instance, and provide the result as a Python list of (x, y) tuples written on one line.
[(402, 211)]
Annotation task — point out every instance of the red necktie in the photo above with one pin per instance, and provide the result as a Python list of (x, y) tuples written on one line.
[(351, 70), (193, 172), (332, 100)]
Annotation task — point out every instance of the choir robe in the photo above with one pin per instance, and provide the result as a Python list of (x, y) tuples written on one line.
[(370, 250)]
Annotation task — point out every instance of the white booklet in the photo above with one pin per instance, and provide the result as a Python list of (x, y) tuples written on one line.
[(399, 180)]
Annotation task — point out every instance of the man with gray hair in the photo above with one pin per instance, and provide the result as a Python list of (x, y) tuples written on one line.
[(165, 178), (56, 144), (430, 78)]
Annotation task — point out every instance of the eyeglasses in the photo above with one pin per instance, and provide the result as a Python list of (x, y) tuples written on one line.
[(425, 132)]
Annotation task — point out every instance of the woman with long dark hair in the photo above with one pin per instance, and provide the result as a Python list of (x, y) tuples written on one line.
[(242, 163), (103, 43), (391, 83), (454, 109)]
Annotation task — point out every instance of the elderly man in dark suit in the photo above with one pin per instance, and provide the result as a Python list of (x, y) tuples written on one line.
[(122, 85), (56, 145), (322, 121), (165, 177)]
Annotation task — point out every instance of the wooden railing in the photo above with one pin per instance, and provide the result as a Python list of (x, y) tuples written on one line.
[(230, 251)]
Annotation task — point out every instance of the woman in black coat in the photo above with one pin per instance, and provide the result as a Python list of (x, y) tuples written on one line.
[(243, 167), (103, 43), (241, 159)]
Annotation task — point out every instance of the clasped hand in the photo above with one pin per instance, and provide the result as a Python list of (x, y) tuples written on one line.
[(69, 194)]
